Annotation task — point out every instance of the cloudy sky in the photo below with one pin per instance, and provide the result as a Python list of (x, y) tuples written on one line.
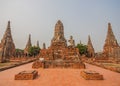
[(80, 18)]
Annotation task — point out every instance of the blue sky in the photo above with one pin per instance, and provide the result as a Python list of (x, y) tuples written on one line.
[(80, 18)]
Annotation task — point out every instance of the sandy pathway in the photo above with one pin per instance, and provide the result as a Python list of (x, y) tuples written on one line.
[(59, 77)]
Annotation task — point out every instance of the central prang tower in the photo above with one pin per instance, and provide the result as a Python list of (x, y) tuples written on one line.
[(59, 39), (58, 54), (58, 50)]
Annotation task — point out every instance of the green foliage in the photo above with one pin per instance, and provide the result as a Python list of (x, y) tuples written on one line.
[(82, 49), (18, 50), (33, 51)]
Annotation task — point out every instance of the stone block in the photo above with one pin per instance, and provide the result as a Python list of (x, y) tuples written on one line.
[(37, 64), (91, 75), (26, 75)]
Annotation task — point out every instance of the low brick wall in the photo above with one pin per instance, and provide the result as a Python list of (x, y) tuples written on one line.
[(115, 69), (18, 64), (58, 64)]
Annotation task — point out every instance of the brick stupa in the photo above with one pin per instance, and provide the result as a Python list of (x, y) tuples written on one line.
[(111, 48), (90, 48), (28, 45), (7, 47)]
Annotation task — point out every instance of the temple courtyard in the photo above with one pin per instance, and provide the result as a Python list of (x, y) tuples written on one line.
[(59, 77)]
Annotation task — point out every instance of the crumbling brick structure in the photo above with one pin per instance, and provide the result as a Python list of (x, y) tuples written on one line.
[(59, 50)]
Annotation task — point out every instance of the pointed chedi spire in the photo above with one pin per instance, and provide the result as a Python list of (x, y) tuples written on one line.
[(111, 46), (80, 42), (8, 32), (38, 44), (28, 45), (8, 26), (44, 46), (7, 44), (90, 48), (110, 38)]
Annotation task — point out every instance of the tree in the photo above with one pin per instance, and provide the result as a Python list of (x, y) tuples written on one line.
[(33, 51), (82, 49), (19, 52)]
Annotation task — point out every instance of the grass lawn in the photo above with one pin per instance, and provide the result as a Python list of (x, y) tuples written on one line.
[(111, 64), (6, 64)]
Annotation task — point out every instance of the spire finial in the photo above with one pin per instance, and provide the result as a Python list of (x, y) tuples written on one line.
[(109, 25), (29, 36), (44, 46), (89, 36), (89, 40), (38, 43), (59, 22), (29, 41), (80, 42), (8, 26)]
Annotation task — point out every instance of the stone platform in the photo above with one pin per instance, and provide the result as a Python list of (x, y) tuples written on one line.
[(26, 75), (91, 75), (59, 64)]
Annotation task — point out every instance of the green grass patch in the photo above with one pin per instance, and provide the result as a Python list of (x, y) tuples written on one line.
[(6, 64), (111, 64)]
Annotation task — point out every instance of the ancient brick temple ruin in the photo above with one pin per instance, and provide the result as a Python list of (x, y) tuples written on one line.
[(90, 48), (7, 47), (59, 54), (111, 48), (28, 45)]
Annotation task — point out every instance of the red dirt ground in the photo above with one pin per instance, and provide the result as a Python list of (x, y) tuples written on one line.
[(59, 77)]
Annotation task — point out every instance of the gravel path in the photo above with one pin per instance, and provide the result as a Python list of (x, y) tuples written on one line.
[(59, 77)]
